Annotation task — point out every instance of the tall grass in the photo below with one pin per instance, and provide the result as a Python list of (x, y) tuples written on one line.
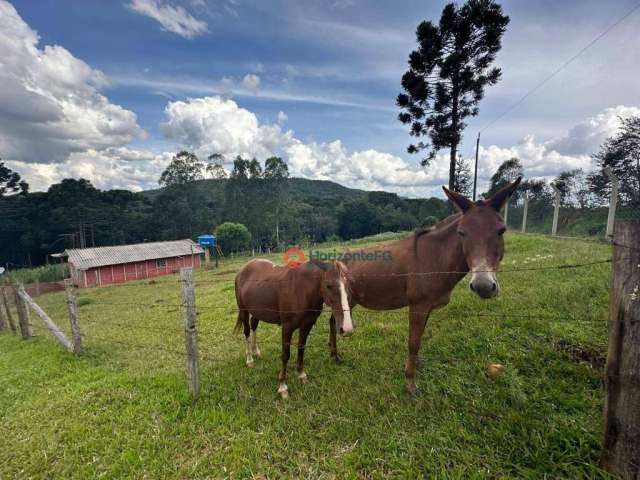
[(45, 273)]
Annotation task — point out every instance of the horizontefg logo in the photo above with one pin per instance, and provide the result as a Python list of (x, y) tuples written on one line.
[(294, 257)]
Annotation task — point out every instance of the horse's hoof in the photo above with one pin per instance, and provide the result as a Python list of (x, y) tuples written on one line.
[(337, 359), (283, 391), (303, 377), (250, 364)]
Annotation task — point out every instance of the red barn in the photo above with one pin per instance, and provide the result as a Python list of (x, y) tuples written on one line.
[(90, 267)]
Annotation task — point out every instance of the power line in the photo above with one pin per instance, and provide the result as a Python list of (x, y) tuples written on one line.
[(563, 66)]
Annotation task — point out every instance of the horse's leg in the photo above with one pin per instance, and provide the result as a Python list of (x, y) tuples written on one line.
[(305, 328), (333, 346), (418, 316), (243, 316), (287, 333), (254, 339)]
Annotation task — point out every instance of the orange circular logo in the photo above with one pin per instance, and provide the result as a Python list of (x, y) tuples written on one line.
[(293, 257)]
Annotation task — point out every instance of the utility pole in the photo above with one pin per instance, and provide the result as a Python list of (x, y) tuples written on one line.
[(475, 170)]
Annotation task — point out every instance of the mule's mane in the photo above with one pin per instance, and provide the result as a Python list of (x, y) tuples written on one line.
[(434, 228)]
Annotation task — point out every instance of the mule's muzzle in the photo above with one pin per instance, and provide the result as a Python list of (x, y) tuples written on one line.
[(484, 286)]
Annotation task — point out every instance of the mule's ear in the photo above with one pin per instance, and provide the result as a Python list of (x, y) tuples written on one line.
[(501, 197), (461, 202)]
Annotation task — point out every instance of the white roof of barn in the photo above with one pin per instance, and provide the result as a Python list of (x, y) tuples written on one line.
[(84, 258)]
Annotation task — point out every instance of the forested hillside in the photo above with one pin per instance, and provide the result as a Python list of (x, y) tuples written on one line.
[(74, 213)]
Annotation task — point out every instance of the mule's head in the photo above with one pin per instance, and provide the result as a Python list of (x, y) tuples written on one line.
[(335, 292), (480, 229)]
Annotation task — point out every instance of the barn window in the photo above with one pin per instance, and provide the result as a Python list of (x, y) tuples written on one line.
[(161, 262)]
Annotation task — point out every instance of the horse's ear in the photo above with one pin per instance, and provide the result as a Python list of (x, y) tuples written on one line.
[(502, 196), (461, 202)]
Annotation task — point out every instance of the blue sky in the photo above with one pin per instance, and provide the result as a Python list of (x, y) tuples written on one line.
[(313, 81)]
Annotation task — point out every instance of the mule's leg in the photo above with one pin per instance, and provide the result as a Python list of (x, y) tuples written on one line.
[(243, 316), (254, 339), (287, 333), (302, 343), (333, 347), (418, 316)]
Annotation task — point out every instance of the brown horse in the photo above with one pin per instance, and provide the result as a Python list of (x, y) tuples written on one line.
[(422, 270), (293, 298)]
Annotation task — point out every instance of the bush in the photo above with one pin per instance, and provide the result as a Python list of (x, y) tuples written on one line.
[(233, 237)]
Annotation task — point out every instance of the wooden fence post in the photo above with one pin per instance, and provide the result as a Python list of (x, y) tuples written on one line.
[(556, 210), (4, 325), (190, 331), (72, 306), (506, 213), (23, 312), (613, 201), (50, 324), (621, 444), (7, 309), (524, 213)]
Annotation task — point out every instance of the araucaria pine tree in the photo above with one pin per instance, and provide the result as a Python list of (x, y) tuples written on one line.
[(448, 73)]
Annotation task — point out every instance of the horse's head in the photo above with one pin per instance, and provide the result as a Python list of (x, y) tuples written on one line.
[(480, 229), (335, 292)]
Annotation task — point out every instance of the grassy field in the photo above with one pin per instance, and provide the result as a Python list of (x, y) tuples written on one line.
[(121, 410)]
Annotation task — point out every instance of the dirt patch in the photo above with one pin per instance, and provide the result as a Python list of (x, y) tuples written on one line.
[(35, 289), (596, 357)]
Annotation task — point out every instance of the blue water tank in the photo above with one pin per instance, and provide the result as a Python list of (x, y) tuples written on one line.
[(207, 240)]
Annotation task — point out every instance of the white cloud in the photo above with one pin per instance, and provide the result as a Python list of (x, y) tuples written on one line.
[(282, 117), (111, 168), (50, 101), (215, 124), (173, 19), (251, 82), (587, 136)]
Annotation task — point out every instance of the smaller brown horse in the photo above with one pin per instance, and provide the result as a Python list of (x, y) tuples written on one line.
[(293, 298)]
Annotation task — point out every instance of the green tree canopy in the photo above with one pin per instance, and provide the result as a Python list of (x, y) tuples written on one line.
[(621, 153), (448, 73), (506, 173), (185, 167), (233, 237), (10, 182)]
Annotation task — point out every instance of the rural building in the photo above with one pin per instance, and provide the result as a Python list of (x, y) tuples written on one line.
[(90, 267)]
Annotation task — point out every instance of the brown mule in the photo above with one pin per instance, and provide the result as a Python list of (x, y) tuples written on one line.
[(412, 273), (292, 298)]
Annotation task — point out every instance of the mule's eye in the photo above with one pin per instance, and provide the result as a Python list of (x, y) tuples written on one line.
[(502, 230), (461, 233)]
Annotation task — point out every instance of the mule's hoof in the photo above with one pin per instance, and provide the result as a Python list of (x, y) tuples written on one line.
[(412, 389), (283, 390), (250, 364), (257, 353), (303, 377), (337, 359)]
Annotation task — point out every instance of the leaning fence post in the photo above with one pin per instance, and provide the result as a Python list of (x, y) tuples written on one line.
[(556, 210), (524, 213), (190, 331), (23, 312), (620, 447), (7, 309), (72, 306), (613, 201)]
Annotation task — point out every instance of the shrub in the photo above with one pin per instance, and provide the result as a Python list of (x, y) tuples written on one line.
[(233, 237)]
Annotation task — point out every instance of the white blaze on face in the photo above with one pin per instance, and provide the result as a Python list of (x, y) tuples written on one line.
[(347, 325)]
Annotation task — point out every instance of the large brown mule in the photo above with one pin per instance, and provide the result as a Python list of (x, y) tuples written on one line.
[(422, 270), (292, 298)]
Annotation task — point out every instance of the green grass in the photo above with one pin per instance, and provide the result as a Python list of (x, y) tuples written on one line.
[(123, 412)]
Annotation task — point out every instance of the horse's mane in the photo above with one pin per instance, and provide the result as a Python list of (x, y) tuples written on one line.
[(434, 228)]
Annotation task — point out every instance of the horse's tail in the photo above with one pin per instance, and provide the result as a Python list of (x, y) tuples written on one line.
[(243, 314)]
